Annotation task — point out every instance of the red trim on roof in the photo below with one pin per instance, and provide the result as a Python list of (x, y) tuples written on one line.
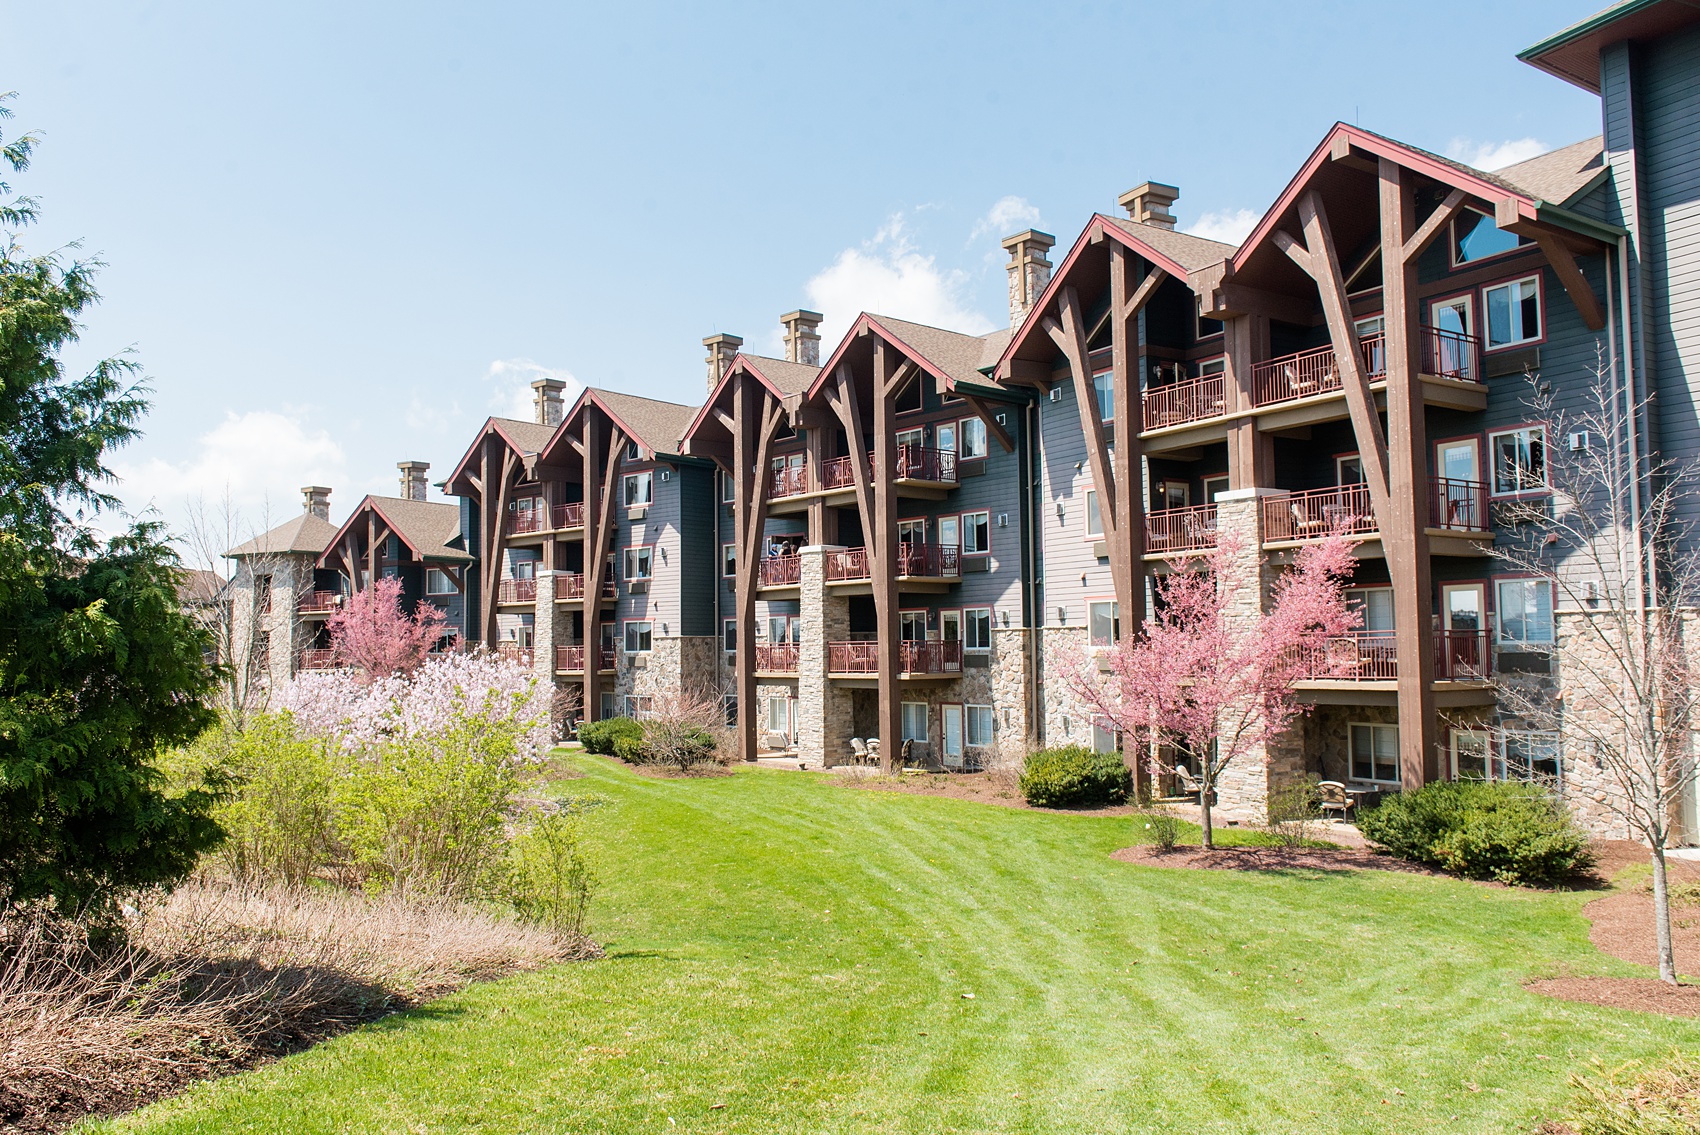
[(744, 362), (368, 501)]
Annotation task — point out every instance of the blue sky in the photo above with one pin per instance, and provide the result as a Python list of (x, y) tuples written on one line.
[(341, 235)]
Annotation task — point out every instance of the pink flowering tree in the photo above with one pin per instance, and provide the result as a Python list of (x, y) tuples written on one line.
[(373, 635), (1210, 671)]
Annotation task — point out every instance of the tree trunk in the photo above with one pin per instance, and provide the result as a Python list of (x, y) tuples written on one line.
[(1205, 840), (1661, 917)]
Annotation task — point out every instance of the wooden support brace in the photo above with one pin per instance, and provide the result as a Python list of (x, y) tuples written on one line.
[(1576, 285), (979, 406)]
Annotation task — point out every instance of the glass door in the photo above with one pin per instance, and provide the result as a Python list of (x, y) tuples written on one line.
[(1464, 644), (1459, 496), (1454, 352), (952, 728)]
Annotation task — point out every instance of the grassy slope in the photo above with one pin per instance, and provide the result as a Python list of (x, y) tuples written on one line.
[(799, 953)]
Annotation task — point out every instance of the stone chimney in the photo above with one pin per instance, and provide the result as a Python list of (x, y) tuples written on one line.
[(1029, 271), (548, 404), (721, 350), (802, 337), (1149, 203), (413, 478), (316, 499)]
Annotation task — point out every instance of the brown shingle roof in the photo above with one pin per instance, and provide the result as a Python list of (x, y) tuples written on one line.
[(428, 527), (1190, 252), (789, 377), (658, 425), (197, 586), (957, 356), (992, 347), (528, 436), (1559, 176), (304, 535)]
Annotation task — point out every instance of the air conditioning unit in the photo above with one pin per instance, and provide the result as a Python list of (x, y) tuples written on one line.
[(1056, 394), (1580, 441)]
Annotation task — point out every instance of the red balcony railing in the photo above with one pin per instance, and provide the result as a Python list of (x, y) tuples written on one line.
[(924, 463), (839, 473), (526, 521), (1451, 354), (569, 515), (572, 587), (1315, 513), (851, 563), (1462, 656), (1458, 505), (1190, 400), (1180, 529), (912, 657), (318, 602), (513, 652), (572, 658), (914, 561), (1373, 656), (778, 657), (1311, 372), (318, 659), (517, 591), (788, 481), (781, 571)]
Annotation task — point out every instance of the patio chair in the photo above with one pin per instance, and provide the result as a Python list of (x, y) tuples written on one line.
[(1335, 801), (858, 751), (1190, 784)]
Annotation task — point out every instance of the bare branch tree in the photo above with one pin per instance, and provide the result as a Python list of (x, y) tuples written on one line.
[(235, 616), (1615, 539)]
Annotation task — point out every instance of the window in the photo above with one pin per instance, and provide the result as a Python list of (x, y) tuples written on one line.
[(976, 533), (1217, 365), (728, 488), (779, 715), (729, 635), (912, 531), (1104, 386), (610, 706), (916, 436), (950, 532), (950, 735), (946, 436), (1103, 737), (950, 626), (1214, 487), (1531, 756), (1207, 327), (979, 726), (1513, 313), (632, 451), (1375, 753), (637, 636), (728, 561), (1173, 494), (523, 569), (1103, 617), (263, 594), (915, 722), (977, 628), (1525, 610), (1094, 518), (639, 489), (972, 441), (729, 710), (639, 707), (912, 626), (1476, 237), (1375, 604), (1519, 460), (439, 582), (777, 627), (639, 562), (1472, 757)]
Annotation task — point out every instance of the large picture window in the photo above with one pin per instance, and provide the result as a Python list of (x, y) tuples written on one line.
[(915, 722), (1375, 753), (1519, 460), (1513, 312), (1525, 611), (1476, 237)]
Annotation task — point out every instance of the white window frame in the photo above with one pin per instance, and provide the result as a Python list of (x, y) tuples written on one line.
[(985, 518), (1359, 599), (783, 705), (646, 561), (1214, 486), (970, 438), (1543, 736), (630, 481), (1104, 390), (1094, 516), (904, 722), (626, 637), (1092, 606), (1499, 610), (952, 538), (728, 561), (1487, 313), (907, 619), (639, 706), (1104, 740), (729, 635), (432, 574), (970, 616), (1490, 762), (728, 489), (1351, 763), (1493, 462), (914, 524), (947, 618), (944, 435), (947, 712), (971, 713), (915, 436)]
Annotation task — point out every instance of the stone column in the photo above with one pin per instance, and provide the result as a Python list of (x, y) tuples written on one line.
[(823, 711), (546, 634)]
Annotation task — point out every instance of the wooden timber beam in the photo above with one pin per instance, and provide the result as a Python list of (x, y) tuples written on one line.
[(1028, 372), (1125, 463), (756, 416), (978, 405), (899, 379), (1433, 227), (881, 543), (599, 500), (1576, 285), (1070, 338), (844, 404)]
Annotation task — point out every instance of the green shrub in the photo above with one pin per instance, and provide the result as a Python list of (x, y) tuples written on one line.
[(599, 736), (1164, 828), (631, 749), (551, 878), (1073, 775), (1515, 833)]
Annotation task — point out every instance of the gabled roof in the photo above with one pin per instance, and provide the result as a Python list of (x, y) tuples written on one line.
[(951, 357), (1183, 250), (524, 438), (1561, 175), (198, 587), (305, 534), (1574, 53), (658, 426), (428, 528), (783, 379)]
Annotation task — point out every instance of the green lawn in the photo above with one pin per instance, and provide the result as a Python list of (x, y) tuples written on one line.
[(785, 954)]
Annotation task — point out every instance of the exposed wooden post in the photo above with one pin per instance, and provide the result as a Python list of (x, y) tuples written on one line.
[(601, 495), (372, 548), (1126, 464), (755, 421), (1404, 530), (881, 557)]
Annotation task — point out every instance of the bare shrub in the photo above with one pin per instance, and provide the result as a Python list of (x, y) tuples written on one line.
[(1293, 814), (679, 731), (1635, 1099)]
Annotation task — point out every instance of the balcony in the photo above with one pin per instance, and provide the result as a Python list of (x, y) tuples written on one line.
[(1458, 506), (572, 587), (528, 521), (788, 481), (914, 659), (571, 659), (1190, 400), (1315, 513), (1174, 530), (514, 652), (1306, 374), (911, 463), (318, 660), (777, 658), (569, 515), (516, 591), (931, 562), (780, 571), (319, 603), (1373, 656)]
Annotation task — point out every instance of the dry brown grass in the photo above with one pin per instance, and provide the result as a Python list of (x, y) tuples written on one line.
[(215, 977)]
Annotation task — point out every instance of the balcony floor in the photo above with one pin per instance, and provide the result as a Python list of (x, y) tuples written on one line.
[(1447, 694), (919, 585), (1441, 542)]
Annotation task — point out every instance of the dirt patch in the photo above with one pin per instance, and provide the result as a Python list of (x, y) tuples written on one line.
[(1269, 859), (1646, 994)]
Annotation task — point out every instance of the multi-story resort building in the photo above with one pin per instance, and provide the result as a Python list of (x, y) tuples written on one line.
[(904, 542)]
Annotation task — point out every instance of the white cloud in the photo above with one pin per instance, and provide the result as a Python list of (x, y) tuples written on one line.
[(1494, 155), (888, 275), (1230, 226), (510, 382), (1008, 215)]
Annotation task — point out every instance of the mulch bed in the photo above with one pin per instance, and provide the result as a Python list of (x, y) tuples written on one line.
[(1269, 859), (1644, 994)]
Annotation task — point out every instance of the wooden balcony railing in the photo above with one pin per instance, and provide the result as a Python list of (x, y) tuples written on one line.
[(778, 657), (788, 481), (914, 561), (839, 473), (569, 515), (1189, 400), (318, 660), (1315, 513), (516, 591), (1461, 506), (527, 521), (571, 658), (318, 602), (572, 587), (1180, 529), (912, 657), (1373, 656), (781, 571)]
